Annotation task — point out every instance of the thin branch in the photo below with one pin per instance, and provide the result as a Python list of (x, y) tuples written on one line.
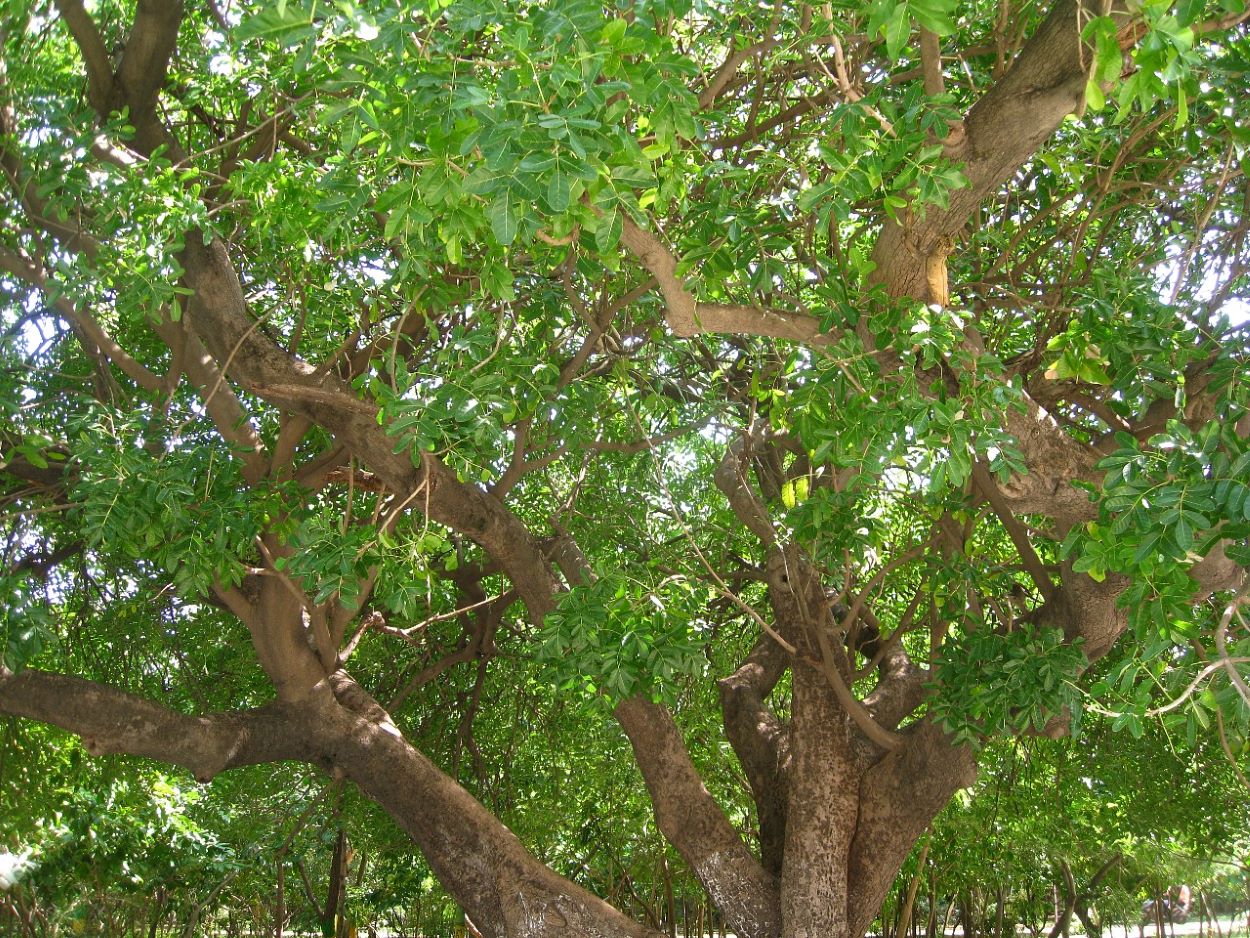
[(884, 738), (27, 271), (1019, 537), (1241, 598)]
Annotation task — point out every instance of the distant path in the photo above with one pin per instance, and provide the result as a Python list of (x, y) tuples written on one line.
[(1229, 927), (1235, 925)]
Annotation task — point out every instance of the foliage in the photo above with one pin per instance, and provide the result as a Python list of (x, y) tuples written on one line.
[(514, 360)]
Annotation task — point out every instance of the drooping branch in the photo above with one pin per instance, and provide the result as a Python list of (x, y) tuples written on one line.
[(114, 721), (695, 824)]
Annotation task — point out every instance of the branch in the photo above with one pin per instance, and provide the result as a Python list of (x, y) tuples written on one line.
[(687, 317), (1002, 130), (760, 741), (931, 63), (1233, 610), (94, 55), (1019, 537), (898, 798), (220, 402), (145, 59), (1069, 902), (731, 479), (218, 314), (694, 823), (28, 272), (113, 721), (862, 717), (728, 69)]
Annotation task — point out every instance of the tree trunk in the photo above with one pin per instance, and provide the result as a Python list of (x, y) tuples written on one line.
[(904, 915), (1063, 911), (334, 885), (279, 910)]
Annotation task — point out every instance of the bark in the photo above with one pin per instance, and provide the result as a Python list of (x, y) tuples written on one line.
[(762, 742), (822, 811), (692, 821), (490, 874), (899, 796), (113, 721)]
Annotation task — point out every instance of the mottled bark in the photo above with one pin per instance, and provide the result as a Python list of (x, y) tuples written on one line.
[(898, 797), (695, 824), (820, 820), (762, 742)]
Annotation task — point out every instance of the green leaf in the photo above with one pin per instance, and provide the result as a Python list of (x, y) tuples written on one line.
[(897, 31), (504, 218), (1094, 99), (608, 234), (558, 192), (286, 24)]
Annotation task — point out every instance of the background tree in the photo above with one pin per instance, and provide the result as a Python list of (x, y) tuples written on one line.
[(372, 367)]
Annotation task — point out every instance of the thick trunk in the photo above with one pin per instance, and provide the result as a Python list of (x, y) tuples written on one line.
[(824, 796)]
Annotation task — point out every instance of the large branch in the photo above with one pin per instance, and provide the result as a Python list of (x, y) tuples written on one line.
[(898, 797), (94, 54), (145, 60), (218, 314), (485, 867), (695, 824), (761, 741), (113, 721), (1002, 130)]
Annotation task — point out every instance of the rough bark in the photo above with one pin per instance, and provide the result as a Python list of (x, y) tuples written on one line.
[(504, 889), (820, 820), (692, 821), (898, 797), (112, 721), (761, 741)]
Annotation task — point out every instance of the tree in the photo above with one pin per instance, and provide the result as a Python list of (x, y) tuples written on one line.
[(372, 347)]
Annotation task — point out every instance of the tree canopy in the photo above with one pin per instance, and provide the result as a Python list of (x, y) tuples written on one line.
[(389, 386)]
